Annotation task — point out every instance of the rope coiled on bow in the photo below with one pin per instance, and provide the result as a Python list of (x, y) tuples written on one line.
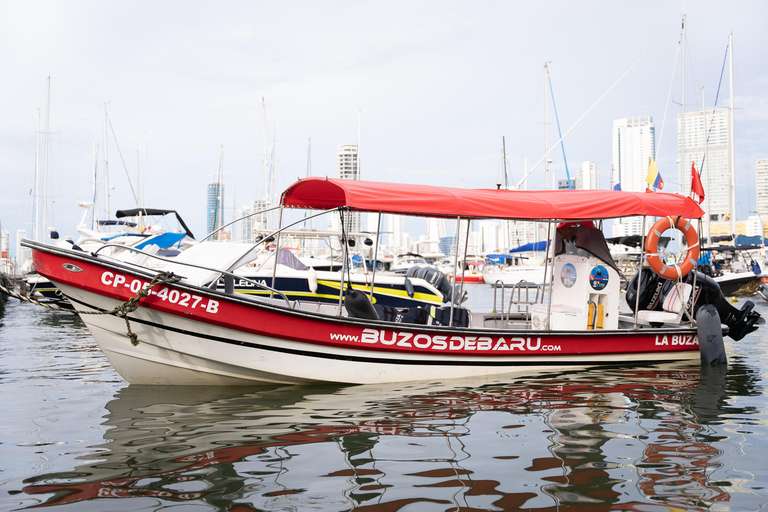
[(122, 310)]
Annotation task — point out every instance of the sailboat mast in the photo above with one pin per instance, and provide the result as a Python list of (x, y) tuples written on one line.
[(220, 207), (144, 195), (546, 128), (45, 172), (36, 226), (309, 157), (138, 179), (708, 230), (106, 163), (732, 139), (504, 161), (264, 173), (359, 153), (681, 142), (272, 186), (94, 210)]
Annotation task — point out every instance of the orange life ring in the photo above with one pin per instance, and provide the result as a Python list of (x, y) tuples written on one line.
[(652, 248)]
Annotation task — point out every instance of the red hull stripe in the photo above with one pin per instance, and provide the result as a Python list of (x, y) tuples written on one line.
[(554, 361)]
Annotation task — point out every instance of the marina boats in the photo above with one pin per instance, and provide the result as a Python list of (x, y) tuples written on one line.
[(176, 327), (403, 262), (473, 273), (521, 265), (144, 229), (736, 268), (305, 280), (520, 271), (147, 229), (513, 275)]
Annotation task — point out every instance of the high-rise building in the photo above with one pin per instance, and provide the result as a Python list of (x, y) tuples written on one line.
[(634, 144), (252, 220), (347, 162), (761, 175), (588, 177), (435, 229), (5, 251), (448, 244), (761, 185), (214, 213), (488, 231), (397, 241), (706, 143)]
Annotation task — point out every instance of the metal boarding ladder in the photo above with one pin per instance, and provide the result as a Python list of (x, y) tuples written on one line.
[(520, 298)]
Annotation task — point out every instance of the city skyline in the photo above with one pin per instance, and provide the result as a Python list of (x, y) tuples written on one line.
[(429, 96)]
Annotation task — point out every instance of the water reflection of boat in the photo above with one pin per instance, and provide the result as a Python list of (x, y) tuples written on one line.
[(548, 441)]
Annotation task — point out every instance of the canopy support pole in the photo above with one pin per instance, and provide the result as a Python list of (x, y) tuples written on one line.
[(640, 273), (344, 256), (455, 268), (277, 248), (375, 256), (546, 266)]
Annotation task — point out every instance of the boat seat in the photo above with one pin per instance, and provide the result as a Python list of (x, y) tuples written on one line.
[(442, 316), (673, 307), (216, 257), (417, 315), (140, 258)]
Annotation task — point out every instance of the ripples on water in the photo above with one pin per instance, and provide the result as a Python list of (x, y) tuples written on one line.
[(75, 436)]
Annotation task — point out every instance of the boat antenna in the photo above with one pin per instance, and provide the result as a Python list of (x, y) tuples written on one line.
[(520, 184)]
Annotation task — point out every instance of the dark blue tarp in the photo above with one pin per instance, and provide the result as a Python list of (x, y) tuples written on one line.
[(533, 246), (747, 240)]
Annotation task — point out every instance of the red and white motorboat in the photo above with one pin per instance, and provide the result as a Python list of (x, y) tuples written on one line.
[(473, 273), (188, 332)]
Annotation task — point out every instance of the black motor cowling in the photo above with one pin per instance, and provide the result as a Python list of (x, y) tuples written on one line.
[(654, 288), (434, 277), (651, 291)]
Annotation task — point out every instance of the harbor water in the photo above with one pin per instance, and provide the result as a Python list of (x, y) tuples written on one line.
[(672, 437)]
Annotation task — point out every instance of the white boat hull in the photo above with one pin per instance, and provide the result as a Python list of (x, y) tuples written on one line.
[(190, 335), (512, 276)]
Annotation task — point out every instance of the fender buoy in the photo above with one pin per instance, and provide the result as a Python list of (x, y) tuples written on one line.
[(652, 248)]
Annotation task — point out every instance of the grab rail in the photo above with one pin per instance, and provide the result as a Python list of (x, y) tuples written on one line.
[(212, 285)]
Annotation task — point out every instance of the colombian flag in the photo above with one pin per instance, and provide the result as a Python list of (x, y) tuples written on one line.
[(653, 178)]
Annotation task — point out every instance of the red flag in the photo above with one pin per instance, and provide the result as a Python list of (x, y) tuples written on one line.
[(696, 186)]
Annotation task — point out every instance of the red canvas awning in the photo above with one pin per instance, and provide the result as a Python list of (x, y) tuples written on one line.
[(430, 201)]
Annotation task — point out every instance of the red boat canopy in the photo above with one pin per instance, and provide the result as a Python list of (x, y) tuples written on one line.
[(430, 201)]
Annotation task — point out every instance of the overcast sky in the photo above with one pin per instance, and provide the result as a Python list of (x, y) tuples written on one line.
[(436, 85)]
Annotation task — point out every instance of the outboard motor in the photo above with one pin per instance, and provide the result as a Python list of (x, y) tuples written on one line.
[(434, 277), (654, 288), (651, 291)]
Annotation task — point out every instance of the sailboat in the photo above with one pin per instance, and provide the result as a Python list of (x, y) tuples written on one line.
[(733, 266), (34, 283)]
